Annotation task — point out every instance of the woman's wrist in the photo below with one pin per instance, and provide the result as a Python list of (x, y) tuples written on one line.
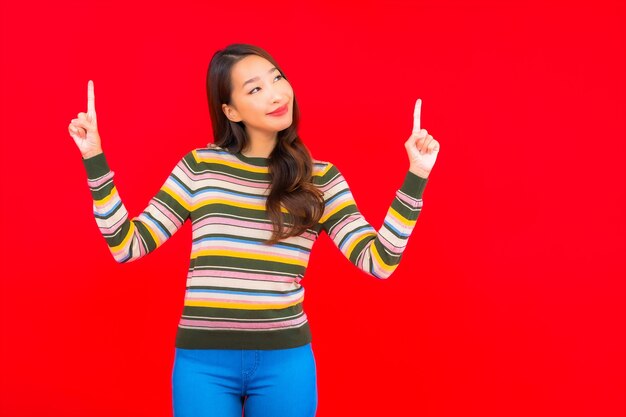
[(92, 154), (420, 172)]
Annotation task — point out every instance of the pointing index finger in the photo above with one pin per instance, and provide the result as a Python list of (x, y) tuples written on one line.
[(416, 116), (91, 99)]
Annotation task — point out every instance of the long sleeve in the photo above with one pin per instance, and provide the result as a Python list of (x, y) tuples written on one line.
[(130, 239), (376, 253)]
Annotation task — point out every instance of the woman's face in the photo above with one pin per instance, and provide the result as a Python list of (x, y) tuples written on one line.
[(252, 101)]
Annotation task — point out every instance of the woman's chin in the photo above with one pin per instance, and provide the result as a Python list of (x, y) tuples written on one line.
[(283, 125)]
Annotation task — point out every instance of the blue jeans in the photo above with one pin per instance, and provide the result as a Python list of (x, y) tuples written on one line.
[(262, 383)]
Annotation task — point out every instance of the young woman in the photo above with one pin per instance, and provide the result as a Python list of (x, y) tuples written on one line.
[(257, 202)]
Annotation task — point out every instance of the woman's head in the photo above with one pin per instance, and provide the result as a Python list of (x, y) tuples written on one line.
[(244, 85), (258, 88), (239, 114)]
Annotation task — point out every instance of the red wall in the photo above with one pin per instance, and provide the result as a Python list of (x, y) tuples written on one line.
[(510, 298)]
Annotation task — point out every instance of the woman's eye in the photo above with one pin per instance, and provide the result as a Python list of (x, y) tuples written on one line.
[(258, 87)]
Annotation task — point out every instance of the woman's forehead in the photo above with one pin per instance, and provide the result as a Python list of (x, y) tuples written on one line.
[(252, 67)]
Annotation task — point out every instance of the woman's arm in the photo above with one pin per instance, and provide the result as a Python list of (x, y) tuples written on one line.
[(377, 253), (130, 239)]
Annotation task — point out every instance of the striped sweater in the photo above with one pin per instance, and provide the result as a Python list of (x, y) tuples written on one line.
[(241, 294)]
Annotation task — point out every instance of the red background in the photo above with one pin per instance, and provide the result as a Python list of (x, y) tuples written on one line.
[(510, 298)]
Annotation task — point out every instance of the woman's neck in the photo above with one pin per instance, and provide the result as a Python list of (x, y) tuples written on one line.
[(259, 146)]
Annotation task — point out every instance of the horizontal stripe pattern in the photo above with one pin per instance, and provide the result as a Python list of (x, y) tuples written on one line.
[(241, 293), (375, 252)]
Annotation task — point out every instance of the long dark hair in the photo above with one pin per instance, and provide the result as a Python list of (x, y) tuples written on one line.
[(290, 163)]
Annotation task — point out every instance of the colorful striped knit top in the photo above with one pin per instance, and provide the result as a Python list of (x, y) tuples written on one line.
[(241, 294)]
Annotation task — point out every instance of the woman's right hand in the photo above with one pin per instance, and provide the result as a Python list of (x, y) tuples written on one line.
[(84, 129)]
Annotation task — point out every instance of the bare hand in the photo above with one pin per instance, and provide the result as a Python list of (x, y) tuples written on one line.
[(421, 147), (84, 129)]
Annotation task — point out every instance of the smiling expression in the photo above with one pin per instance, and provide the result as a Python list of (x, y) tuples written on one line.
[(258, 88)]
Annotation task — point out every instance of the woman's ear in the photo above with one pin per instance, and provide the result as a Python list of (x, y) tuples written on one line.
[(230, 113)]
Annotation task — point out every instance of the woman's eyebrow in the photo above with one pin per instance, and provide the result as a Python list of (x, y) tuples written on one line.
[(256, 78)]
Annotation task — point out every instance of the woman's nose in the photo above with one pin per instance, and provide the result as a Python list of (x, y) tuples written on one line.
[(277, 96)]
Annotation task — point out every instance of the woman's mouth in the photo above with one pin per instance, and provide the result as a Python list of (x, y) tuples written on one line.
[(279, 111)]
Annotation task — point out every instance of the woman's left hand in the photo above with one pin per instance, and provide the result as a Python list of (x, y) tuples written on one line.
[(421, 147)]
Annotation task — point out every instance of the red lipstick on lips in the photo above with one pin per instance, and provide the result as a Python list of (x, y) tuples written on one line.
[(279, 111)]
